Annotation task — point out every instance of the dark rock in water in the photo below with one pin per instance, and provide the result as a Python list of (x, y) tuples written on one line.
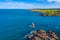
[(43, 35), (27, 37)]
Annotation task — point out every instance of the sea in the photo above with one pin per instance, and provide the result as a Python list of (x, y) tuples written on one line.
[(14, 23)]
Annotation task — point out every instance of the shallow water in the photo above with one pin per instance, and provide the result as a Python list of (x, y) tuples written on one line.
[(14, 24)]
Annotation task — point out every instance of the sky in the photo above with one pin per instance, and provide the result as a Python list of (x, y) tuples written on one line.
[(29, 4)]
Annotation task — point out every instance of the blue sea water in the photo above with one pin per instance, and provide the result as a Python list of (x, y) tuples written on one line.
[(14, 23)]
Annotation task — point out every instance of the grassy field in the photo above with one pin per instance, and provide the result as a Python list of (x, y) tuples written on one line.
[(49, 12)]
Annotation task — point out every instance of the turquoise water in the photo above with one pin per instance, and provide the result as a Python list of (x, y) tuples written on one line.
[(14, 23)]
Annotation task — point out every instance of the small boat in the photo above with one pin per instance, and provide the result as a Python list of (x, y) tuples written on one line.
[(32, 25)]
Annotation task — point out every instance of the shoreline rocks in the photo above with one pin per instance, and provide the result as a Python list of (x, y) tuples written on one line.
[(42, 35)]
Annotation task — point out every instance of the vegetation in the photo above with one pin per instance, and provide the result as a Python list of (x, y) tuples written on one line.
[(48, 12)]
